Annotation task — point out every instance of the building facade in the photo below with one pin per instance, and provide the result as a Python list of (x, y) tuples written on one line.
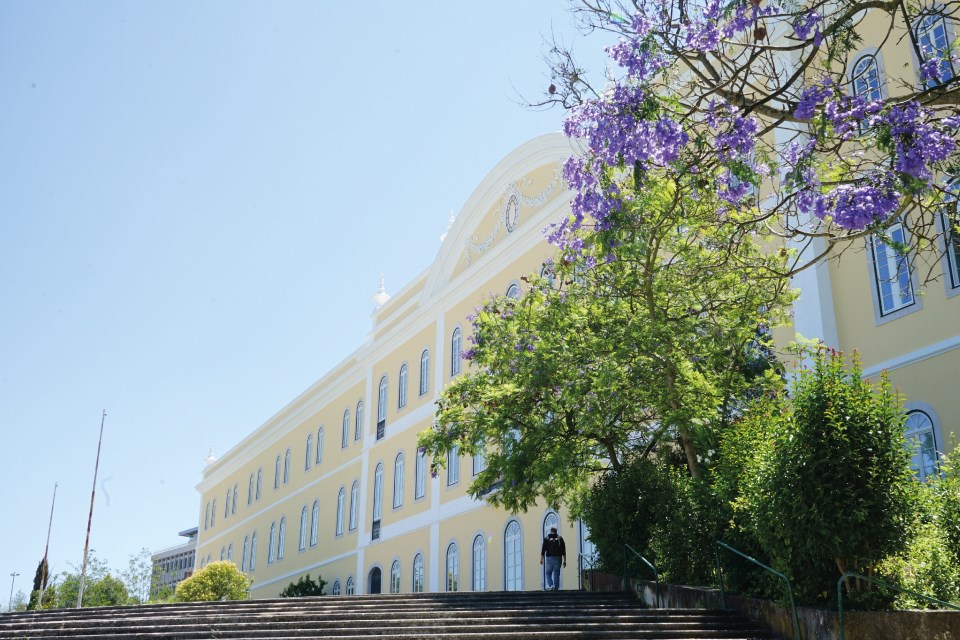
[(173, 564), (333, 484)]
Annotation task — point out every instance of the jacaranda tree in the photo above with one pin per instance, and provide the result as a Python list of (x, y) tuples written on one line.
[(646, 333), (760, 95)]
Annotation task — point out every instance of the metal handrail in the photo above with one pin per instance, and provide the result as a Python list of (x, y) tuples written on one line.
[(581, 566), (853, 574), (656, 574), (723, 601)]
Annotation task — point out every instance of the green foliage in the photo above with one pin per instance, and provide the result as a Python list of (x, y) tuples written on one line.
[(140, 576), (828, 487), (642, 339), (216, 581), (40, 580), (305, 586)]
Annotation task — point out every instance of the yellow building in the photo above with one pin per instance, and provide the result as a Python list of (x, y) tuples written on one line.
[(333, 483), (876, 302)]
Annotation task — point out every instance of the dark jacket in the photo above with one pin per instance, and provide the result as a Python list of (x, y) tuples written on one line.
[(553, 545)]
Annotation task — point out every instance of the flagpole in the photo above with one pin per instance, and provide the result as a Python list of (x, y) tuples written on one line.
[(93, 493), (44, 566)]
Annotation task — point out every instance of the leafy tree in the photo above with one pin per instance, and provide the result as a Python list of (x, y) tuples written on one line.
[(640, 338), (140, 576), (39, 583), (305, 586), (755, 93), (216, 581), (828, 487)]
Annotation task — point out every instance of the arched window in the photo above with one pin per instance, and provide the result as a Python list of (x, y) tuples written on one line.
[(402, 384), (272, 543), (223, 554), (382, 408), (453, 567), (420, 481), (934, 43), (336, 587), (479, 564), (479, 460), (276, 473), (345, 436), (418, 573), (547, 272), (281, 537), (456, 345), (213, 512), (351, 587), (308, 458), (226, 505), (250, 490), (358, 422), (320, 444), (513, 557), (398, 481), (314, 522), (395, 577), (286, 467), (230, 552), (233, 505), (259, 481), (921, 440), (424, 371), (513, 291), (377, 500), (340, 500), (243, 558), (206, 517), (865, 78), (303, 529), (354, 504), (253, 552)]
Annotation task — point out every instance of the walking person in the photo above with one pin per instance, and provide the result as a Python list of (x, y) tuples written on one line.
[(552, 554)]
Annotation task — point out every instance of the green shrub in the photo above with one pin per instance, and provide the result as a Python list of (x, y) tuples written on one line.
[(216, 581), (305, 586)]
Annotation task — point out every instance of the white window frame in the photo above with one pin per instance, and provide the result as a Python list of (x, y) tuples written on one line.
[(319, 458), (395, 577), (281, 537), (402, 381), (345, 435), (479, 563), (308, 457), (456, 346), (888, 294), (452, 565), (453, 466), (358, 420), (513, 556), (341, 500), (933, 14), (398, 467), (354, 506), (420, 479), (314, 522), (271, 543), (302, 545), (417, 574), (425, 372)]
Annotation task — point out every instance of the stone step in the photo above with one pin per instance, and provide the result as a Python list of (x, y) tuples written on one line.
[(466, 616)]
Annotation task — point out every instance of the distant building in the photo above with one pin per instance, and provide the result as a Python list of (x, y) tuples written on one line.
[(172, 565)]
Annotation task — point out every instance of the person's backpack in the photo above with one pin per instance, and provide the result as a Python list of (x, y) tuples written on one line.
[(553, 547)]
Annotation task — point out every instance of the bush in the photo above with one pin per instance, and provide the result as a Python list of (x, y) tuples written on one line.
[(216, 581), (305, 586), (829, 488)]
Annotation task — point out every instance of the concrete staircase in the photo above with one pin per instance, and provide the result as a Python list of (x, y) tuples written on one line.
[(451, 616)]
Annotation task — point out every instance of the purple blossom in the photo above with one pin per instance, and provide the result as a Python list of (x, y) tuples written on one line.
[(852, 206), (811, 98), (930, 70), (918, 144), (802, 26)]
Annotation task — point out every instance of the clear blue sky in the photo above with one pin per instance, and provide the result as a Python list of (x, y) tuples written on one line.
[(196, 202)]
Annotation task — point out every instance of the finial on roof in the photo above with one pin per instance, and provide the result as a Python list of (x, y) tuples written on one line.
[(381, 296), (450, 222), (210, 457)]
